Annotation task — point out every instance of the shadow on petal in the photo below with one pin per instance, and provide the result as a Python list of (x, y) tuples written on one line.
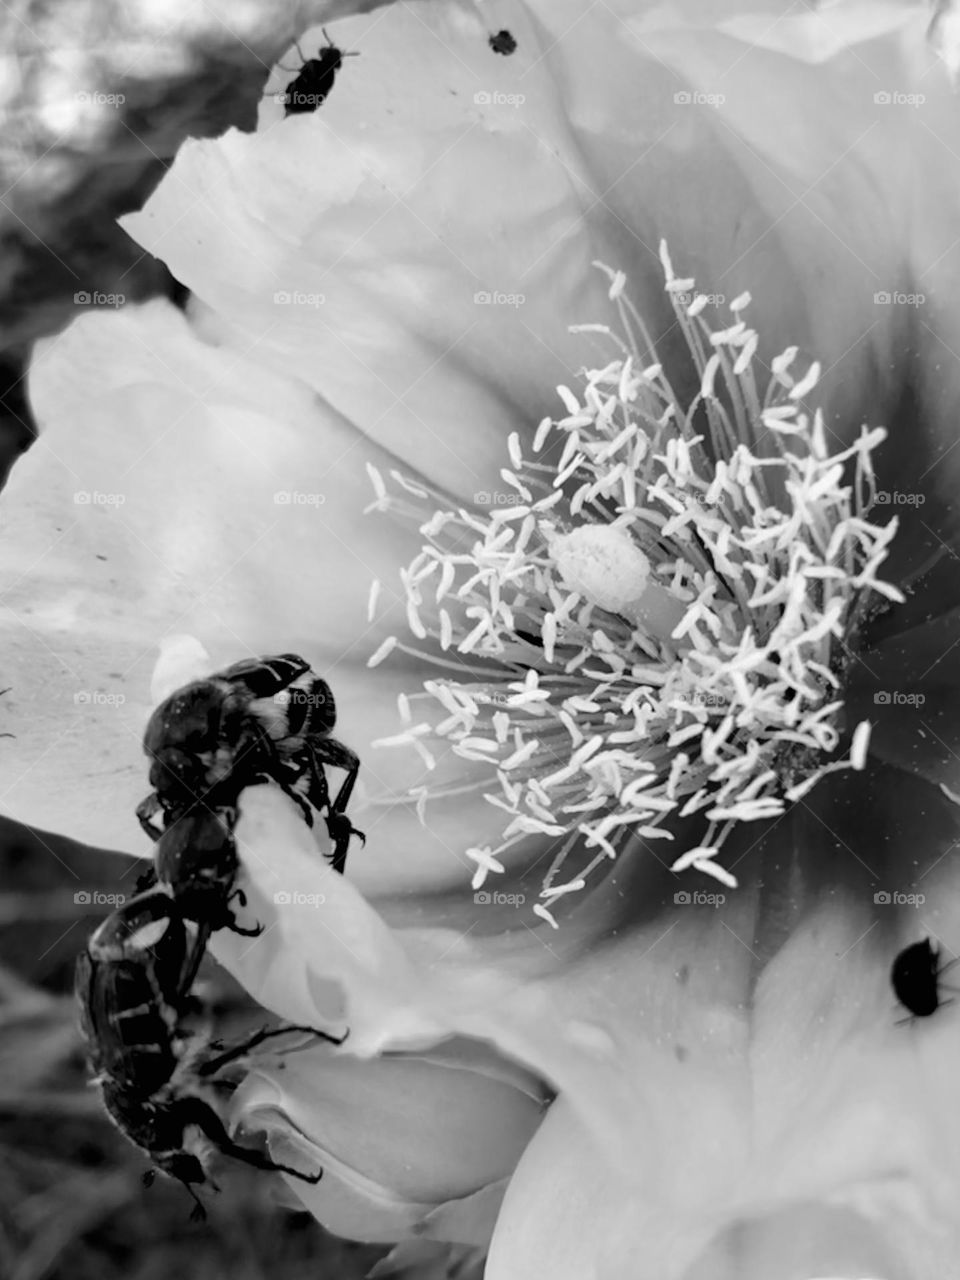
[(801, 1240), (409, 1143)]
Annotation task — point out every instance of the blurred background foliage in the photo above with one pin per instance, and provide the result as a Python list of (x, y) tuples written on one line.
[(95, 98), (72, 1205)]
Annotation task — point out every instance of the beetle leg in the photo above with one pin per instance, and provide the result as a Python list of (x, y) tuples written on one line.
[(213, 1065), (196, 956), (146, 810), (146, 881), (196, 1111), (198, 1213), (230, 920), (232, 925), (339, 826)]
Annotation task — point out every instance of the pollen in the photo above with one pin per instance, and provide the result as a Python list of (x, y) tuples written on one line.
[(656, 618)]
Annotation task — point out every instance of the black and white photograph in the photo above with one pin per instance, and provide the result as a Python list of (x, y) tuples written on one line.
[(479, 611)]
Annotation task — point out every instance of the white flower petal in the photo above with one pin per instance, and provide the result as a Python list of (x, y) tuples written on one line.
[(442, 224), (175, 488)]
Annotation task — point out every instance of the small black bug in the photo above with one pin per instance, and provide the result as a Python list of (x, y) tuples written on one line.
[(502, 42), (197, 738), (149, 933), (314, 80), (197, 857), (149, 1047), (916, 978), (258, 720)]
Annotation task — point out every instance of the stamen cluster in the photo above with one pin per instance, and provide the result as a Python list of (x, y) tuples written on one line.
[(659, 624)]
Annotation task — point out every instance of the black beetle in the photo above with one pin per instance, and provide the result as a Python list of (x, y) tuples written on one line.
[(502, 42), (196, 856), (149, 1047), (266, 719), (915, 976), (314, 80)]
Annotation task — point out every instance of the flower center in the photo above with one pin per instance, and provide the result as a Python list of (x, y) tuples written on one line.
[(655, 619)]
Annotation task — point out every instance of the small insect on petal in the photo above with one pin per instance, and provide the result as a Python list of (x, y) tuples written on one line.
[(312, 85), (915, 977), (502, 42)]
